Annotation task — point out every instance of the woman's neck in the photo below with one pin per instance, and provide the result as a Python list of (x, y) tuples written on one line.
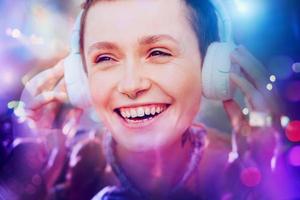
[(157, 171)]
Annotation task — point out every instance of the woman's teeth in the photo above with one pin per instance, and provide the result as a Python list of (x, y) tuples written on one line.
[(142, 111)]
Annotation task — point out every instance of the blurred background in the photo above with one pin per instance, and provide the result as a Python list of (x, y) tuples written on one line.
[(34, 35)]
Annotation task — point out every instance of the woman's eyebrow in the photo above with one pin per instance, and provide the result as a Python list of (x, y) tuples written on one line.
[(156, 38), (102, 45)]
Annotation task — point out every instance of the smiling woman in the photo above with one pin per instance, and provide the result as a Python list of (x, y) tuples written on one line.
[(143, 63), (133, 68)]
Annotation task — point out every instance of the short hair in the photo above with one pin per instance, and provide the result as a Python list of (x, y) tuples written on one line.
[(202, 17)]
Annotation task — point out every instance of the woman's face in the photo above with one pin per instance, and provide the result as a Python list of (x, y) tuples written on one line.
[(144, 72)]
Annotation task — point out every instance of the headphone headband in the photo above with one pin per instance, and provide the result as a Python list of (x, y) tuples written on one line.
[(75, 77), (75, 36), (224, 21)]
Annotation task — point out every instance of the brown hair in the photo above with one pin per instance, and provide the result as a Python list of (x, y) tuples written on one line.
[(202, 17)]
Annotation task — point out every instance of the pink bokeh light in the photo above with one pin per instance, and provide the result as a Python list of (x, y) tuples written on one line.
[(292, 131), (294, 156), (250, 176)]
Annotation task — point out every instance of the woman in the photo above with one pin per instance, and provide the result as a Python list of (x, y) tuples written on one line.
[(143, 61)]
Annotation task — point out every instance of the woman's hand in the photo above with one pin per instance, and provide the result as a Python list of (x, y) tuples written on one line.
[(44, 95), (262, 104), (251, 81)]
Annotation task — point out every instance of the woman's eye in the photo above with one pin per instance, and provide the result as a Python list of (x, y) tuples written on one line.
[(100, 59), (159, 53)]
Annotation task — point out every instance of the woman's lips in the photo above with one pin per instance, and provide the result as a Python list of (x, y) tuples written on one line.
[(142, 115)]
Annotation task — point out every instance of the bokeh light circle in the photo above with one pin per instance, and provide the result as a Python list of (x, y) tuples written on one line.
[(292, 131), (250, 176), (284, 121), (294, 156), (272, 78), (296, 67)]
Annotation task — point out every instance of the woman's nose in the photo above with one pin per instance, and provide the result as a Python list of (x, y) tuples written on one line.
[(133, 83)]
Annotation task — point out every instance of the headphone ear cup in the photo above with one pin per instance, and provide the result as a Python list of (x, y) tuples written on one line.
[(76, 81), (75, 76), (216, 68)]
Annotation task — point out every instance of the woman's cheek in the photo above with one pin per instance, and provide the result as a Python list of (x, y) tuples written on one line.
[(181, 80), (100, 97), (99, 88), (188, 91)]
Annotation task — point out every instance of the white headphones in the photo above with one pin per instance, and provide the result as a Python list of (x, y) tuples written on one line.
[(215, 70)]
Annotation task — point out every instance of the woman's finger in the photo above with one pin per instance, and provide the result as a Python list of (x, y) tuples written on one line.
[(46, 80), (253, 97), (44, 117), (238, 120), (253, 70), (45, 98), (234, 113), (257, 75), (61, 86)]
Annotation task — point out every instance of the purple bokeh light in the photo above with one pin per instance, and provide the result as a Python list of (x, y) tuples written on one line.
[(294, 156)]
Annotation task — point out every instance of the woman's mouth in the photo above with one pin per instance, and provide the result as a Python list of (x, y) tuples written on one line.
[(141, 114)]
